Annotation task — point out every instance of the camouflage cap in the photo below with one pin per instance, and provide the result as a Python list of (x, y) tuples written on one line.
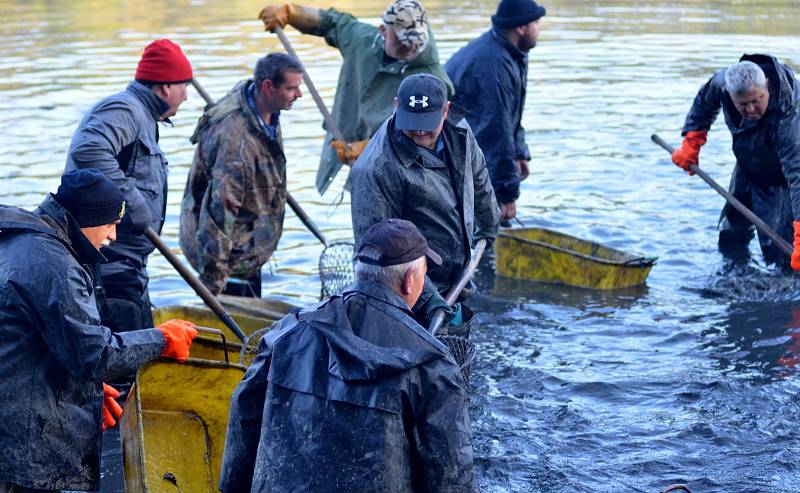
[(409, 21)]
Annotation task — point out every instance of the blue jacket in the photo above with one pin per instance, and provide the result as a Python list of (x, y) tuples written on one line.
[(119, 136), (490, 76), (54, 354), (351, 395)]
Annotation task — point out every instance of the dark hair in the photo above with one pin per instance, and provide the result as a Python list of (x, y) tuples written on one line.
[(274, 66)]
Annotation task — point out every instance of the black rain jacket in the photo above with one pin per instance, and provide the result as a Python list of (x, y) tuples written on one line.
[(451, 202), (54, 354), (351, 395), (767, 174)]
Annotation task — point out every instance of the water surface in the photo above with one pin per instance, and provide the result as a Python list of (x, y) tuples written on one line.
[(691, 378)]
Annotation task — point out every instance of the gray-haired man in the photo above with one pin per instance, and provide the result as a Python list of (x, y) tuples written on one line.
[(235, 199), (759, 97), (357, 381)]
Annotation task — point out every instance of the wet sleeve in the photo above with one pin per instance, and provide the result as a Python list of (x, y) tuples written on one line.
[(788, 148), (376, 193), (706, 105), (218, 211), (244, 425), (494, 130), (340, 29), (487, 212), (109, 128), (444, 440), (71, 328)]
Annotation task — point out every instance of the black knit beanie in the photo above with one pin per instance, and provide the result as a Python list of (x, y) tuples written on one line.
[(91, 197), (513, 13)]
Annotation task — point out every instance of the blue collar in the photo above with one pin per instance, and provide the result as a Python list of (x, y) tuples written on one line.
[(271, 130)]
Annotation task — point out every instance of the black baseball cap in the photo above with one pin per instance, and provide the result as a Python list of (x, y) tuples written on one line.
[(420, 102), (398, 242)]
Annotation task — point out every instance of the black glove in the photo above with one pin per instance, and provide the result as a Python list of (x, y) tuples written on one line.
[(429, 301)]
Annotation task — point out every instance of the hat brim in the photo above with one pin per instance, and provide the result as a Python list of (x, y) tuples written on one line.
[(426, 122), (433, 256)]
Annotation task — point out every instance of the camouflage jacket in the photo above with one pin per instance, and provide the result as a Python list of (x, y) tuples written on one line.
[(235, 198)]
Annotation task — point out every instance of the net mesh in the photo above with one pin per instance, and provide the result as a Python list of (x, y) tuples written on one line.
[(250, 347), (336, 268), (463, 351)]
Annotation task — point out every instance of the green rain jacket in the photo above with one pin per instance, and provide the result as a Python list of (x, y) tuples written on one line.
[(367, 84)]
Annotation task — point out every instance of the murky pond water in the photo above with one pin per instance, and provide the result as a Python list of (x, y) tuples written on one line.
[(690, 379)]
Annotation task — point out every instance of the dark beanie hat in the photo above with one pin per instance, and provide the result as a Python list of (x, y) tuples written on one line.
[(163, 62), (513, 13), (91, 197)]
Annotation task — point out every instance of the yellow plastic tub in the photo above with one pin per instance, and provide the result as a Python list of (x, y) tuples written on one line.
[(539, 254)]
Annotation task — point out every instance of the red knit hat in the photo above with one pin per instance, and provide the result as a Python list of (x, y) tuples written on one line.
[(163, 62)]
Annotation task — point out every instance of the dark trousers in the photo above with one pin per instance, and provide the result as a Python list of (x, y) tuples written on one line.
[(772, 204), (249, 288)]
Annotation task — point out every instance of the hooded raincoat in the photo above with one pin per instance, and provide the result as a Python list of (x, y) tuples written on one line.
[(766, 178), (54, 354), (368, 82), (235, 200), (491, 78), (351, 395)]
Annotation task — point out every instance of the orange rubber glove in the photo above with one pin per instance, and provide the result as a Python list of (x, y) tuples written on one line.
[(111, 408), (178, 336), (796, 245), (689, 151), (346, 155)]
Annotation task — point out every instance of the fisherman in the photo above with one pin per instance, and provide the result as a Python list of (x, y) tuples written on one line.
[(353, 395), (422, 167), (760, 98), (233, 207), (56, 353), (490, 76), (375, 61), (119, 136)]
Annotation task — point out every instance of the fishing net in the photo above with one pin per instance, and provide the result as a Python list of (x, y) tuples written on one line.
[(250, 347), (336, 268), (463, 351)]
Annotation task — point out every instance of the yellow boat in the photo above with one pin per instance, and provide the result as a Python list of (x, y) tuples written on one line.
[(538, 254), (176, 415)]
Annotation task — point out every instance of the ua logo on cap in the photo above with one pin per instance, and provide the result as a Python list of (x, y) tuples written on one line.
[(414, 102)]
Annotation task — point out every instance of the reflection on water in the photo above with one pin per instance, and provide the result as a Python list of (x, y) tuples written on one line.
[(692, 379)]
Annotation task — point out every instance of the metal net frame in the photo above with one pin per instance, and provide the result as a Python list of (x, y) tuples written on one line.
[(336, 268)]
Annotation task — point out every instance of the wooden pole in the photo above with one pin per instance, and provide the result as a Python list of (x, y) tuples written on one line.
[(743, 210)]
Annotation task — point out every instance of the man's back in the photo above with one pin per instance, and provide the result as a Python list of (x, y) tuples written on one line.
[(355, 397)]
